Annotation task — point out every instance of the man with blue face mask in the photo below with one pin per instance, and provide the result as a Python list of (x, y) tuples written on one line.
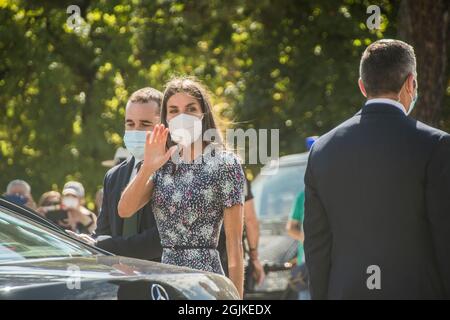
[(137, 236)]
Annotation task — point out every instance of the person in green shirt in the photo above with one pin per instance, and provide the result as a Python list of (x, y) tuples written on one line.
[(294, 225), (294, 229)]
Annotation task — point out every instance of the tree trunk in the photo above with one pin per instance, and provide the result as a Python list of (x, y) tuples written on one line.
[(425, 25)]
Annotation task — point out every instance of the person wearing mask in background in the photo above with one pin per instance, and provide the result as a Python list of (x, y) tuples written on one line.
[(137, 236), (79, 219), (19, 192), (50, 206), (294, 228)]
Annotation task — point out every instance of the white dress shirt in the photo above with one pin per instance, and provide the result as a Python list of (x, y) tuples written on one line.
[(387, 101)]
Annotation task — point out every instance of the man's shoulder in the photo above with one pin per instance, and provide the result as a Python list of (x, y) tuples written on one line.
[(427, 130), (415, 126), (339, 130)]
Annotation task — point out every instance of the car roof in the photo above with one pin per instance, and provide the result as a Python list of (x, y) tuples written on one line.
[(287, 161), (35, 217), (28, 213)]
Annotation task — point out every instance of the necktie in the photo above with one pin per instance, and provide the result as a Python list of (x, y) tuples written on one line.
[(130, 225)]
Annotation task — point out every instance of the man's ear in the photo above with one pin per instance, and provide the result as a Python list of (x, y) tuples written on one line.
[(411, 84), (361, 87)]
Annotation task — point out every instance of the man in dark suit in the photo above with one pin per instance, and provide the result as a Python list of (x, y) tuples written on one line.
[(377, 210), (137, 236)]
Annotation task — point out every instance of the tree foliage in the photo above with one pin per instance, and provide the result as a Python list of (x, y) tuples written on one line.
[(290, 65)]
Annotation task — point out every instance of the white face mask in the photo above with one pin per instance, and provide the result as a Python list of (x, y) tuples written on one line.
[(135, 142), (413, 100), (185, 129), (70, 202), (413, 103)]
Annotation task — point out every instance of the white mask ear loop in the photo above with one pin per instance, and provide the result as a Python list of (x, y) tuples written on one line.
[(398, 100), (413, 98), (404, 108)]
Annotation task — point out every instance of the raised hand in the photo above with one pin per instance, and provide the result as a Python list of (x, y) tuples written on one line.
[(156, 153)]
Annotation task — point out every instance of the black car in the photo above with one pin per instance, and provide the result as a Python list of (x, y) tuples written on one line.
[(38, 260)]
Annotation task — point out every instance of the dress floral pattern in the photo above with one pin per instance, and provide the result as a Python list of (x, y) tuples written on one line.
[(188, 203)]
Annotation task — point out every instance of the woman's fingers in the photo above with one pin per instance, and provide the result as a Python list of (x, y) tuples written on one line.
[(149, 137), (155, 134), (170, 152), (158, 136), (162, 134)]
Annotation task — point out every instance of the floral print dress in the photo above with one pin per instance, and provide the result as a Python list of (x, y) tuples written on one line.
[(188, 203)]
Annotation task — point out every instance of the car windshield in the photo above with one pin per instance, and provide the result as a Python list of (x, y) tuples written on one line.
[(275, 193), (22, 239)]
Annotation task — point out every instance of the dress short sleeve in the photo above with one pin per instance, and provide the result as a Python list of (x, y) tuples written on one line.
[(231, 181)]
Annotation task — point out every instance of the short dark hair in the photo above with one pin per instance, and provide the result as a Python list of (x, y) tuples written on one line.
[(146, 95), (385, 66)]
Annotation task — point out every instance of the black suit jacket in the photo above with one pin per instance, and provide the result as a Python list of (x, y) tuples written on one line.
[(144, 245), (378, 193)]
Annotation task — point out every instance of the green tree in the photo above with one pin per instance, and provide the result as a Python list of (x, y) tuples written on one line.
[(289, 65)]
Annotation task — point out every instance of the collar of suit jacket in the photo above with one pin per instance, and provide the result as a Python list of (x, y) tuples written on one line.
[(383, 108), (387, 101)]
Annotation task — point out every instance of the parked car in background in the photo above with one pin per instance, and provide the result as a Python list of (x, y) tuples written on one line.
[(38, 260), (274, 190)]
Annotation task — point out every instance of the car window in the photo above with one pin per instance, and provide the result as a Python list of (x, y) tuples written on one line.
[(275, 193), (21, 239)]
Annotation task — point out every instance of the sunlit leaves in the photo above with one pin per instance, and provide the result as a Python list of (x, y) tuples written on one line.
[(290, 65)]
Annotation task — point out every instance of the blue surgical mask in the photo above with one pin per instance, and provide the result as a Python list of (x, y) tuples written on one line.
[(16, 198), (135, 142)]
